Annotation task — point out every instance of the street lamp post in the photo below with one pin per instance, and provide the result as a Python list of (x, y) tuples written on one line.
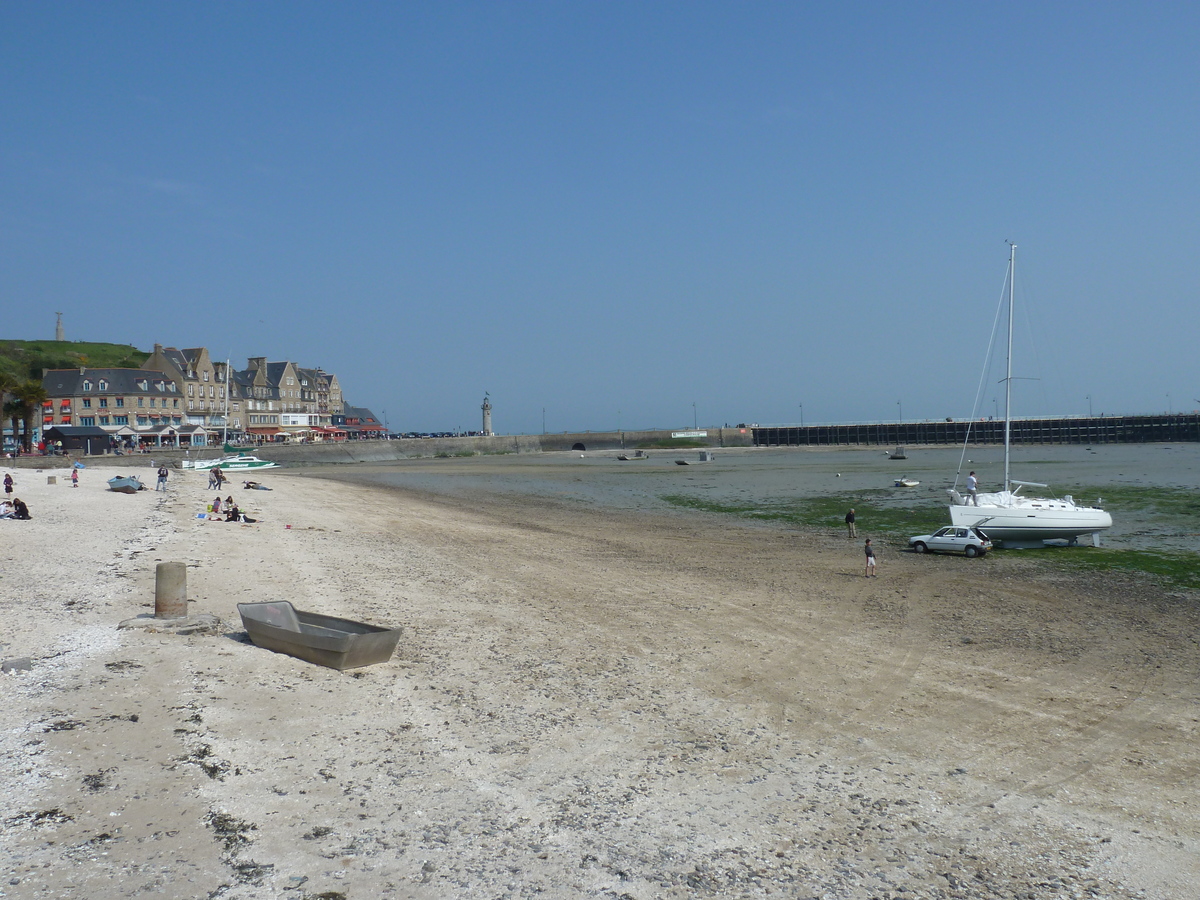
[(1089, 400), (901, 408), (801, 415), (695, 418)]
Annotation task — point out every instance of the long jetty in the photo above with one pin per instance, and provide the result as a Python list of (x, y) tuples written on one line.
[(1171, 427), (1051, 430)]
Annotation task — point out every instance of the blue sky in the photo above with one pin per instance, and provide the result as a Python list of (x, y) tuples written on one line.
[(614, 211)]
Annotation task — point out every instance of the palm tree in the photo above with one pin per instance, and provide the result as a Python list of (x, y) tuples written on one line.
[(30, 394), (11, 407), (12, 412)]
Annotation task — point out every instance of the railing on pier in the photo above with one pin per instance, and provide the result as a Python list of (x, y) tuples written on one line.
[(1081, 430)]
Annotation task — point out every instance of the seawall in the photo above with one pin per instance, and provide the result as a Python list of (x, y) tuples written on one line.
[(294, 455)]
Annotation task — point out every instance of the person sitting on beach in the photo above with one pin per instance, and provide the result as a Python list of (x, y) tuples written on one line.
[(20, 510), (216, 505), (6, 509), (232, 513)]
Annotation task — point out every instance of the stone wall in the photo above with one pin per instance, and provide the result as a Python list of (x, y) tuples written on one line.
[(293, 455)]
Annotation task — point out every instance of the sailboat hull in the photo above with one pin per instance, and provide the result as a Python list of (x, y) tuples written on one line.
[(1032, 521)]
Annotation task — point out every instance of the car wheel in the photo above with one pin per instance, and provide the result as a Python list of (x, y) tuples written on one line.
[(919, 547), (972, 551)]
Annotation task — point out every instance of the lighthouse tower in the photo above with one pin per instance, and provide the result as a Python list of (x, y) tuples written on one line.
[(487, 416)]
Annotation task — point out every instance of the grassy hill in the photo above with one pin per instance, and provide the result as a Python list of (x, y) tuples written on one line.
[(26, 359)]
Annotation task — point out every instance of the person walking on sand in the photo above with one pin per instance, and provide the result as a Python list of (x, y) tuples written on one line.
[(8, 483), (973, 489), (850, 524), (214, 478), (74, 477), (870, 551), (162, 478)]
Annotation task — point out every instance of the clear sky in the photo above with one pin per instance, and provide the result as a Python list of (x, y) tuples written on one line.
[(626, 214)]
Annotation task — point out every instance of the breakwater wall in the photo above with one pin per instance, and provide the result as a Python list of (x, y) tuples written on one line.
[(330, 454), (1071, 430)]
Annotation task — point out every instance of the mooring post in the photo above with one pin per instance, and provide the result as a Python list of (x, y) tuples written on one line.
[(170, 590)]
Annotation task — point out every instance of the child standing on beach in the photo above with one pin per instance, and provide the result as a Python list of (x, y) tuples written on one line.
[(74, 478), (870, 551)]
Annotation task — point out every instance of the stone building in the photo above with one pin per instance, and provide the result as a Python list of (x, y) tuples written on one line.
[(202, 386), (135, 406)]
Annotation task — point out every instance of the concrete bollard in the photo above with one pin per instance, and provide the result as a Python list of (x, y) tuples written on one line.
[(170, 590)]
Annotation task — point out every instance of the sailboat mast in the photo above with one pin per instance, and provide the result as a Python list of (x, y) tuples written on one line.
[(1012, 273)]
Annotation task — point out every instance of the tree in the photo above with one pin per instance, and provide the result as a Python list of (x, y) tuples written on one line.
[(11, 406), (30, 394), (12, 412)]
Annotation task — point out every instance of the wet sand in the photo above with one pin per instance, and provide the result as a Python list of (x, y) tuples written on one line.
[(586, 701)]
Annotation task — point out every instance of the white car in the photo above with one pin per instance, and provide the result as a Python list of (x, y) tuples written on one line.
[(954, 539)]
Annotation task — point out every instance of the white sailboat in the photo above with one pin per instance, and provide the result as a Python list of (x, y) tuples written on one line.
[(1010, 517)]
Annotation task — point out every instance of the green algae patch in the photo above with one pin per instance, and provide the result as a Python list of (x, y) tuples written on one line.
[(873, 515), (1177, 506), (1171, 568)]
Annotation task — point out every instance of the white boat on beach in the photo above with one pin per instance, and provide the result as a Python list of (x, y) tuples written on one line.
[(1010, 517), (227, 463)]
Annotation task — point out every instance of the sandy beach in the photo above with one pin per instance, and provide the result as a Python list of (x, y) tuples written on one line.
[(585, 702)]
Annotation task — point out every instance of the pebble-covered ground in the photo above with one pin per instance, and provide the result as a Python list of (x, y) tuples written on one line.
[(584, 703)]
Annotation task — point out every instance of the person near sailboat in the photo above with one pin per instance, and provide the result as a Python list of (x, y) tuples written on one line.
[(1007, 516)]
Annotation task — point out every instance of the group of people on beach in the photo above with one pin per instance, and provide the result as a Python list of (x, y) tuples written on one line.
[(12, 507), (228, 506)]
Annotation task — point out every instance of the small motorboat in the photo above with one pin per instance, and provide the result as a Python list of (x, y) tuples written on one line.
[(324, 640), (238, 461), (906, 482), (125, 484)]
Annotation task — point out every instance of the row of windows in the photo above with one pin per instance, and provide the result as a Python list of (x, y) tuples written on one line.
[(141, 401), (142, 385), (123, 420)]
